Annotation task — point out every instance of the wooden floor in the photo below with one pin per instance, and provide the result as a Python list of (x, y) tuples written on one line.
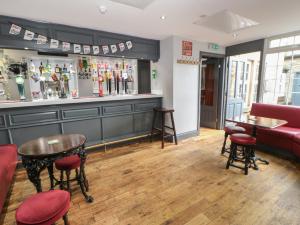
[(185, 184)]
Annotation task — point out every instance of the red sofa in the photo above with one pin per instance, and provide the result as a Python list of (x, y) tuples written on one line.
[(8, 162), (286, 137)]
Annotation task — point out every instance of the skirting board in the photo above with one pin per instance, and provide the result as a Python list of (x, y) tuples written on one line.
[(188, 134)]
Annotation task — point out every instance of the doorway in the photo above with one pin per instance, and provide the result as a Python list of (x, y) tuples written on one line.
[(242, 88), (212, 79)]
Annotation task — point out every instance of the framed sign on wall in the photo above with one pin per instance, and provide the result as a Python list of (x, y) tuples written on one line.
[(187, 48)]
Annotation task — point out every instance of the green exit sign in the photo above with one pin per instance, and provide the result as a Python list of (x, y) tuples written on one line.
[(213, 46)]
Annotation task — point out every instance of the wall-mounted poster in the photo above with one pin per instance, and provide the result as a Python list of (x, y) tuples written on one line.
[(187, 48)]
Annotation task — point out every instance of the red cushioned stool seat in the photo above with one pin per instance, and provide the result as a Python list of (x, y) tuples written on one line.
[(234, 129), (228, 131), (242, 139), (68, 163), (44, 208)]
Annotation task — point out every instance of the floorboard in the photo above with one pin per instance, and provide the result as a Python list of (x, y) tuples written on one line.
[(187, 184)]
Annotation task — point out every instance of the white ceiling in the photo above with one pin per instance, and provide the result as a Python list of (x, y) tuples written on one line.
[(274, 17)]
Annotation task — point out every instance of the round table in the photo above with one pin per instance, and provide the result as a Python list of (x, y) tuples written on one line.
[(41, 153)]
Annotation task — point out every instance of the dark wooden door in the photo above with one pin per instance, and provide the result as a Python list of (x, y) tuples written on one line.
[(144, 77), (211, 70)]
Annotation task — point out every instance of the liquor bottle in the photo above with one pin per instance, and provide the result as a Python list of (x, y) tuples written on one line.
[(115, 81), (57, 69), (32, 67), (41, 68), (65, 70), (48, 68)]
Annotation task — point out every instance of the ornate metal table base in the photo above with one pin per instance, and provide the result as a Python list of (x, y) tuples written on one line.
[(35, 166)]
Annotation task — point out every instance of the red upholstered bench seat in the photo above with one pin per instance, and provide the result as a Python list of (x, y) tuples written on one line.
[(284, 137), (296, 145), (8, 162)]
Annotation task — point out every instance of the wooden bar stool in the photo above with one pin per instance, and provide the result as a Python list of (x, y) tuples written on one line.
[(163, 112), (65, 165), (247, 143)]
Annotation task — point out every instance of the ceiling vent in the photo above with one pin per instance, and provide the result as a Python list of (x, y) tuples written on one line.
[(140, 4), (226, 21)]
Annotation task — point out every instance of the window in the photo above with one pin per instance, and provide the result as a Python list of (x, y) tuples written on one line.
[(285, 41), (282, 78)]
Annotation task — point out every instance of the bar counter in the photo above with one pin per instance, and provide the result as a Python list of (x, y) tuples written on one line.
[(100, 119)]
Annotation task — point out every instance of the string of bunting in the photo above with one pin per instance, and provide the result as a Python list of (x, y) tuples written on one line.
[(66, 46)]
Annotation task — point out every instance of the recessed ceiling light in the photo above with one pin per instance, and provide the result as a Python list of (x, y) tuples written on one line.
[(102, 9), (26, 48), (163, 17)]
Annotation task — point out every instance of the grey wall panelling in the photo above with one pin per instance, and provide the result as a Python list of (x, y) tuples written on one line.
[(100, 122), (142, 48)]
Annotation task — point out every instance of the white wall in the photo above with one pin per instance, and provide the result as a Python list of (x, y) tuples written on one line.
[(163, 84), (180, 82)]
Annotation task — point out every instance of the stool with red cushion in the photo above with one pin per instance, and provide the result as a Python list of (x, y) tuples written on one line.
[(67, 164), (229, 130), (247, 143), (44, 208)]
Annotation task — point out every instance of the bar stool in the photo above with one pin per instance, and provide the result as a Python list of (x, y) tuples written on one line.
[(67, 164), (229, 130), (247, 143), (163, 112), (44, 208)]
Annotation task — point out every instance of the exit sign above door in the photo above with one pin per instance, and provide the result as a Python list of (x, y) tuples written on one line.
[(213, 46)]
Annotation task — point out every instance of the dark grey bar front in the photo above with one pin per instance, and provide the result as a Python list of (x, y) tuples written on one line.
[(100, 122)]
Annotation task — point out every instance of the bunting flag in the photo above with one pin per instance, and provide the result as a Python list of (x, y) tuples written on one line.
[(66, 46), (129, 44), (86, 49), (15, 29), (28, 35), (113, 48), (54, 43), (77, 48), (96, 50), (41, 39), (122, 47), (105, 49)]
